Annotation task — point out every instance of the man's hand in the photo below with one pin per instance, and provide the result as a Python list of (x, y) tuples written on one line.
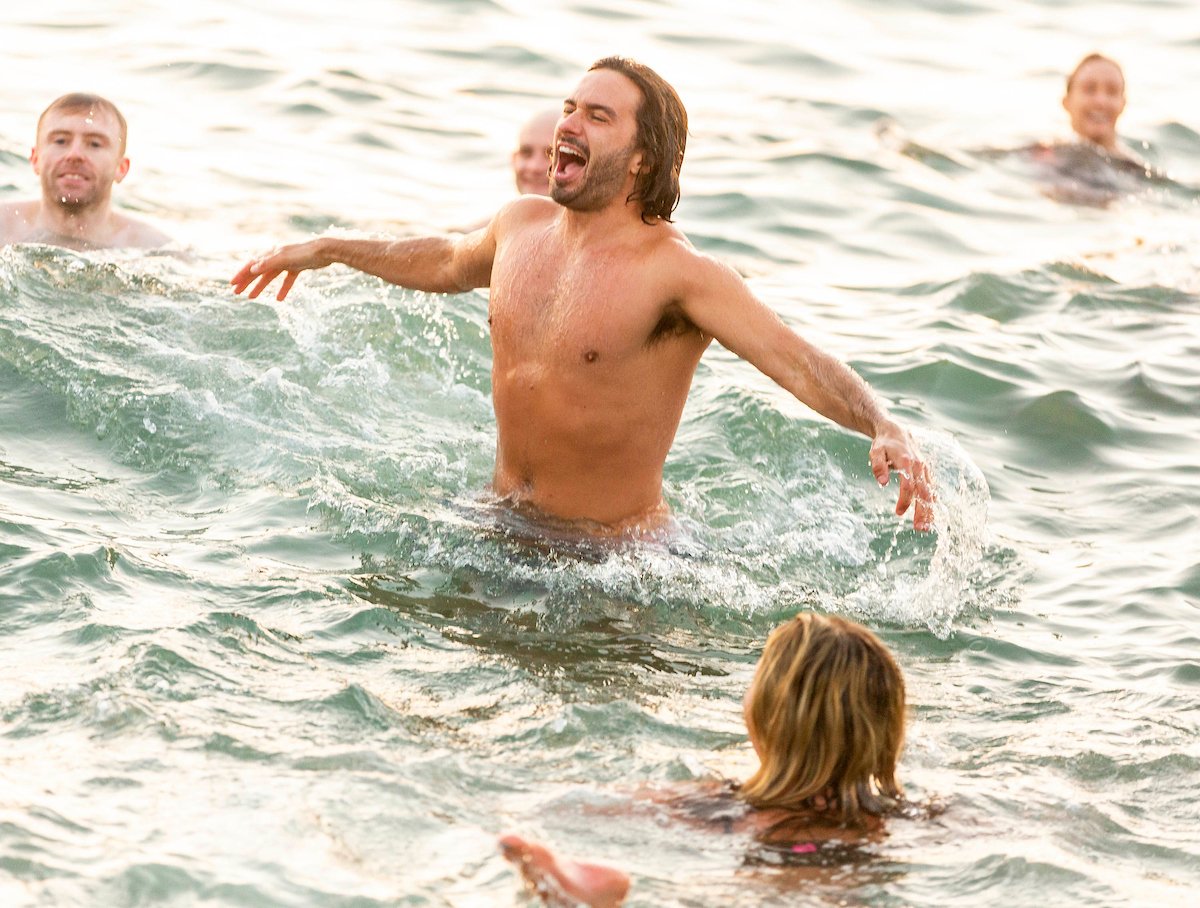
[(893, 449), (290, 259)]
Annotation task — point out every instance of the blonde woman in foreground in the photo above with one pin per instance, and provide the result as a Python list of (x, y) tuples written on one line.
[(825, 714)]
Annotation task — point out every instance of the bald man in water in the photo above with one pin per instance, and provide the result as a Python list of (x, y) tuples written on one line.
[(600, 310), (79, 154), (531, 157)]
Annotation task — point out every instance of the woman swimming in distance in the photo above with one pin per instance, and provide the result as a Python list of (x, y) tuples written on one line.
[(825, 714), (1092, 167), (1094, 101), (1097, 167)]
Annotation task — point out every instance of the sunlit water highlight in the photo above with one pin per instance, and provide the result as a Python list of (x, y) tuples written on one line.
[(263, 639)]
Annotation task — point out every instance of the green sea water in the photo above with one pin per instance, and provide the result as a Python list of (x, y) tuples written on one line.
[(264, 640)]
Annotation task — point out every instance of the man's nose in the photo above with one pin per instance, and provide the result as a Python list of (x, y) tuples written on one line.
[(569, 122)]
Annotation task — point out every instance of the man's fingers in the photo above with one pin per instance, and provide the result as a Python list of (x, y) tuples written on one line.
[(289, 261), (263, 281), (287, 285), (243, 278), (923, 513), (915, 489), (920, 494), (880, 466), (255, 268), (904, 499)]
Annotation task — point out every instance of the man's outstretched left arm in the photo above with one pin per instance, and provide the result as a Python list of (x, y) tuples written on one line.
[(720, 304)]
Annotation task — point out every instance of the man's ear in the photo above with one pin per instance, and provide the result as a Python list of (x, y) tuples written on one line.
[(33, 159), (122, 169)]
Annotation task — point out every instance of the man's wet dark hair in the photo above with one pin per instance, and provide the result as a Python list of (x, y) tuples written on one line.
[(83, 101), (661, 134)]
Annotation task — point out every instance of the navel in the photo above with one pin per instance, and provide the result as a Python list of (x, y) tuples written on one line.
[(591, 356)]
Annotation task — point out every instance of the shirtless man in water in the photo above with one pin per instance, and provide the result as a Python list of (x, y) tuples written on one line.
[(600, 310), (80, 153)]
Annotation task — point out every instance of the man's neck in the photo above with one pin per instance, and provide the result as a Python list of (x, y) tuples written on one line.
[(92, 225), (606, 222)]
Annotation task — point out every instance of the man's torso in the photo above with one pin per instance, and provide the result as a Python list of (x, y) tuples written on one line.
[(592, 364)]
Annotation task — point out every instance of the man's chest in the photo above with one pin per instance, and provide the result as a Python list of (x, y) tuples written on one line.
[(582, 307)]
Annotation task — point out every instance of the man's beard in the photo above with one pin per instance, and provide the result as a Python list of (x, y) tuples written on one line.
[(597, 188), (76, 203)]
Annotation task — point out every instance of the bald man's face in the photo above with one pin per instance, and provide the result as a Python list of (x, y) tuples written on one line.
[(531, 160)]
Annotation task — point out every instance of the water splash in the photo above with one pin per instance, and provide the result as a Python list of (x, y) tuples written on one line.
[(935, 595)]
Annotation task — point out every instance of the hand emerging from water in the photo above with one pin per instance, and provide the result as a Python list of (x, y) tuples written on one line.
[(893, 449), (286, 259)]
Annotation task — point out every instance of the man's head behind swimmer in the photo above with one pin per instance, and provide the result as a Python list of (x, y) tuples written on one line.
[(531, 157), (826, 715), (1095, 99)]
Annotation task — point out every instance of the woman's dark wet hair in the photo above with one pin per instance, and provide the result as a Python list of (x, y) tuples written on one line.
[(661, 134)]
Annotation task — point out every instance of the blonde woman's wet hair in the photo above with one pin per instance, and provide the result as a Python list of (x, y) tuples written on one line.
[(826, 713)]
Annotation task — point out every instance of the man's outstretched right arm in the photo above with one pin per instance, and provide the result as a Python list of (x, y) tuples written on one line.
[(433, 264)]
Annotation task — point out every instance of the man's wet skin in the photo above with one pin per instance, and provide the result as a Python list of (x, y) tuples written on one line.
[(599, 315)]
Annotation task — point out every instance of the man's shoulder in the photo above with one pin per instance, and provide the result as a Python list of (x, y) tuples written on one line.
[(667, 235), (523, 212), (15, 218), (677, 268), (534, 207), (133, 233), (22, 208), (667, 244)]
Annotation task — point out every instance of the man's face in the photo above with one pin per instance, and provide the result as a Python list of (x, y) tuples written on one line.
[(1095, 101), (532, 157), (595, 146), (79, 156)]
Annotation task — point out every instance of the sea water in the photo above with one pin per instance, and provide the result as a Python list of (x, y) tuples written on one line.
[(263, 639)]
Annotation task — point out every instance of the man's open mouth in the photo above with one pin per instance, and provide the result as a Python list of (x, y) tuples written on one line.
[(569, 161)]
